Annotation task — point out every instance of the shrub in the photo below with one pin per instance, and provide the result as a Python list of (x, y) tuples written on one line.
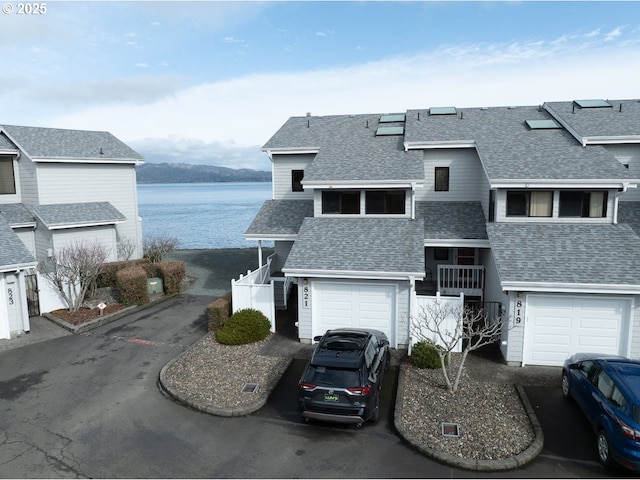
[(108, 276), (132, 283), (172, 274), (425, 355), (218, 313), (244, 326)]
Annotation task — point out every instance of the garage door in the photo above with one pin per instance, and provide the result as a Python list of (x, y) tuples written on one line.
[(559, 326), (339, 305)]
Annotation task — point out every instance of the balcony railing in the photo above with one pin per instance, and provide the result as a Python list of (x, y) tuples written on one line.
[(456, 279)]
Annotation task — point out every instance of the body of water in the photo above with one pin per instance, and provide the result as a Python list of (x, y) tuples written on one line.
[(201, 215)]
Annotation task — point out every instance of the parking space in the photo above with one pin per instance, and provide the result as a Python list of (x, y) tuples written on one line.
[(283, 402)]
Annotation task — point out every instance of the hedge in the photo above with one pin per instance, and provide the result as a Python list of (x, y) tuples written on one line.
[(244, 326), (109, 270), (218, 312), (132, 283), (172, 274)]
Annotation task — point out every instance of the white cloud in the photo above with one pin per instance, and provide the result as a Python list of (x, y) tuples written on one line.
[(613, 34), (240, 114)]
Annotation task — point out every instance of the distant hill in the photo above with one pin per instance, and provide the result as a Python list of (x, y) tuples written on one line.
[(187, 173)]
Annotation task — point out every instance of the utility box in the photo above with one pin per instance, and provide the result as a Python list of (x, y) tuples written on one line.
[(154, 285)]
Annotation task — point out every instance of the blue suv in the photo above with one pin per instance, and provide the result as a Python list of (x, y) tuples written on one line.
[(607, 389)]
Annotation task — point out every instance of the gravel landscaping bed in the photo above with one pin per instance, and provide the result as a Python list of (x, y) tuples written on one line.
[(491, 418), (213, 375)]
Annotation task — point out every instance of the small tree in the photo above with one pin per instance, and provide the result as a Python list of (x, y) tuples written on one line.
[(74, 268), (453, 326), (126, 247), (156, 247)]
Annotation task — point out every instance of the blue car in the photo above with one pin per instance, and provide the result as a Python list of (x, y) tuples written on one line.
[(607, 389)]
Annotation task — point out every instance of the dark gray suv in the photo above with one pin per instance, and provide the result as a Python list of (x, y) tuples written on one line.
[(342, 381)]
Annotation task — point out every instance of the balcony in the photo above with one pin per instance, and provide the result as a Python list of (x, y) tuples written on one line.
[(452, 280)]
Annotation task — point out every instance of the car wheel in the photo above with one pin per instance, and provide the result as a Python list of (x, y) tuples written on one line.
[(604, 454), (566, 389)]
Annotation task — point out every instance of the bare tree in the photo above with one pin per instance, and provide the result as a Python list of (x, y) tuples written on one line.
[(126, 247), (452, 326), (156, 247), (74, 268)]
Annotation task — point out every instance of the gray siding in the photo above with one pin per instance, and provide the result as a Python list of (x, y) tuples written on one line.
[(628, 154), (94, 183), (27, 236), (28, 181), (465, 175), (282, 167), (103, 235), (513, 350), (304, 315)]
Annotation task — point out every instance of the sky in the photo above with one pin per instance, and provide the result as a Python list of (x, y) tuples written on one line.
[(210, 82)]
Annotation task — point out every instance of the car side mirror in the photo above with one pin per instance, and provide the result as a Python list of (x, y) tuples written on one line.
[(317, 338)]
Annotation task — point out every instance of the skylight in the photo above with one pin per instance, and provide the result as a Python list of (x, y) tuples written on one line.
[(592, 103), (442, 111), (389, 131), (392, 118), (541, 124)]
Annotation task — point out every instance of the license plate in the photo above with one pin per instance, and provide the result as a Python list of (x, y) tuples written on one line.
[(330, 397)]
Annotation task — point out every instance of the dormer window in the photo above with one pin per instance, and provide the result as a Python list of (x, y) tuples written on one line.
[(583, 204), (296, 180), (529, 204), (7, 177), (343, 202), (385, 202)]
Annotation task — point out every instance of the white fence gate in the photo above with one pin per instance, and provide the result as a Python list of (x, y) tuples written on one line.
[(255, 290), (450, 307)]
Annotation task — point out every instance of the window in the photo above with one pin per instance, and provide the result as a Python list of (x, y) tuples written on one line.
[(385, 201), (340, 202), (529, 204), (440, 254), (7, 179), (583, 204), (296, 180), (605, 385), (442, 179)]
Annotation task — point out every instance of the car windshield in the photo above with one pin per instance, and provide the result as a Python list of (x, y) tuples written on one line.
[(333, 377)]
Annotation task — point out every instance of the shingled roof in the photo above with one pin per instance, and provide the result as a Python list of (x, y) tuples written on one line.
[(13, 254), (55, 144), (65, 215)]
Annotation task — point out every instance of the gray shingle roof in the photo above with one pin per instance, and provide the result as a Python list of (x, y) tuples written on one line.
[(358, 245), (509, 150), (611, 121), (13, 253), (17, 214), (56, 143), (629, 213), (6, 144), (452, 220), (280, 217), (566, 253), (75, 214), (349, 149)]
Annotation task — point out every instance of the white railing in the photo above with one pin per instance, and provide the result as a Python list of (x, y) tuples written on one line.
[(255, 290), (457, 279)]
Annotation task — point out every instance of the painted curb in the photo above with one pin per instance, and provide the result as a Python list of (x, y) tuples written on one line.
[(524, 457)]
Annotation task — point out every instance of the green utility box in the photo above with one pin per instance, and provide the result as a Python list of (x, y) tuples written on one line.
[(154, 285)]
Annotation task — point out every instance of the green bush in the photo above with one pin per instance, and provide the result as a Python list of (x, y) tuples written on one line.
[(109, 270), (132, 283), (172, 274), (244, 326), (425, 355), (218, 312)]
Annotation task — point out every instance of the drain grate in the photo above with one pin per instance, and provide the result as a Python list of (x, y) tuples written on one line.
[(450, 429), (249, 388)]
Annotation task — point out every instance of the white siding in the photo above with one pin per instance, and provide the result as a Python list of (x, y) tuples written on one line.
[(466, 176), (283, 165), (104, 235), (634, 341), (71, 183), (628, 155), (513, 350), (304, 313)]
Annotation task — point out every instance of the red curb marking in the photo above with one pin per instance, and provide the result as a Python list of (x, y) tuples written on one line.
[(141, 341)]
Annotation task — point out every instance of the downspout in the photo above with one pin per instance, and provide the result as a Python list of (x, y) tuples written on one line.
[(625, 187), (259, 253)]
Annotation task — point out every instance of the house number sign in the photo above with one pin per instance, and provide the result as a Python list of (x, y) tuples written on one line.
[(519, 311), (306, 296), (10, 295)]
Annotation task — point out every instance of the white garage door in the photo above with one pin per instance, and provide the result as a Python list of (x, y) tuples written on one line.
[(340, 305), (559, 326)]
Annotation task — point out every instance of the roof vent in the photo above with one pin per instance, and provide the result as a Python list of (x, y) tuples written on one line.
[(101, 152)]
